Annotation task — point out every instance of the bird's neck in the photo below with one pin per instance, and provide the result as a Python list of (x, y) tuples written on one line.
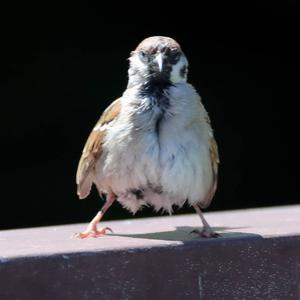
[(155, 87), (155, 93)]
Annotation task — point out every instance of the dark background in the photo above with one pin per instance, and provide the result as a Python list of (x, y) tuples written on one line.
[(60, 67)]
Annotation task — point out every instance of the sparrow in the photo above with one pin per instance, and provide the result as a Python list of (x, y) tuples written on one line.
[(154, 145)]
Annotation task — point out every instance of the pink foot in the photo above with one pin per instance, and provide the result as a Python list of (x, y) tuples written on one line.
[(92, 231)]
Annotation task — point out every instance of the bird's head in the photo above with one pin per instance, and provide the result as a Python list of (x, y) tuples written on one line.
[(158, 59)]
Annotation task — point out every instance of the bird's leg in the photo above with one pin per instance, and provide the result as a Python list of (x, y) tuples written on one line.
[(207, 231), (92, 229)]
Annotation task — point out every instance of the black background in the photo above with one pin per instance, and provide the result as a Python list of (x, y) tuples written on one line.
[(60, 67)]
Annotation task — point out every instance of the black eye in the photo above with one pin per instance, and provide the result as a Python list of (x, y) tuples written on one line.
[(174, 57), (143, 56)]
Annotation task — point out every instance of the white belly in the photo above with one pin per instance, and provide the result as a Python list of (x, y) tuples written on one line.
[(160, 171), (162, 167)]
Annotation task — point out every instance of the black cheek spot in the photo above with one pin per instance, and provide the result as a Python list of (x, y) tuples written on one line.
[(183, 71)]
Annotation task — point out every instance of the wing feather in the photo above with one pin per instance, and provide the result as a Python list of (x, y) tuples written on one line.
[(93, 149), (215, 160)]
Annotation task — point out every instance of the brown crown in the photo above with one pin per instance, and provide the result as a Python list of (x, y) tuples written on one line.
[(153, 43)]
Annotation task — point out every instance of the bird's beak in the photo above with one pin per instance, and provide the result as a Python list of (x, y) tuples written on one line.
[(160, 61)]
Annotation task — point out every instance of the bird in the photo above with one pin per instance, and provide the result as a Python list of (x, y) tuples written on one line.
[(153, 146)]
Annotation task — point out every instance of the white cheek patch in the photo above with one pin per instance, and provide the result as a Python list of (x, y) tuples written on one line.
[(176, 75), (137, 64)]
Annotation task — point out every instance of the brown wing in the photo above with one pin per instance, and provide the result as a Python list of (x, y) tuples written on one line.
[(214, 158), (93, 150)]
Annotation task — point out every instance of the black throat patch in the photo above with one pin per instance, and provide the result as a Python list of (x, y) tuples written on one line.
[(155, 91)]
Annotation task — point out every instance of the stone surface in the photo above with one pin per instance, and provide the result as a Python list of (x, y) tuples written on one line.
[(257, 257)]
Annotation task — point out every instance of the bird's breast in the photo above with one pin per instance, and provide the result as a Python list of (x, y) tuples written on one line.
[(155, 152)]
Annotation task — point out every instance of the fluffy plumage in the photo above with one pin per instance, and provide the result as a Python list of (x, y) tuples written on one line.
[(154, 145)]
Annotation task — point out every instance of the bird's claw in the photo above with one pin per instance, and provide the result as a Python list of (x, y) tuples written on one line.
[(93, 232), (206, 233)]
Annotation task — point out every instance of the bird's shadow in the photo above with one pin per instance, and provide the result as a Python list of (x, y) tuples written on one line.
[(185, 234)]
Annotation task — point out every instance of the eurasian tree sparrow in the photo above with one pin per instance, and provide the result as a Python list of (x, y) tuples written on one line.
[(154, 145)]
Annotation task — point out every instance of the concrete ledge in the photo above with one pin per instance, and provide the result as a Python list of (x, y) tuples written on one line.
[(258, 257)]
